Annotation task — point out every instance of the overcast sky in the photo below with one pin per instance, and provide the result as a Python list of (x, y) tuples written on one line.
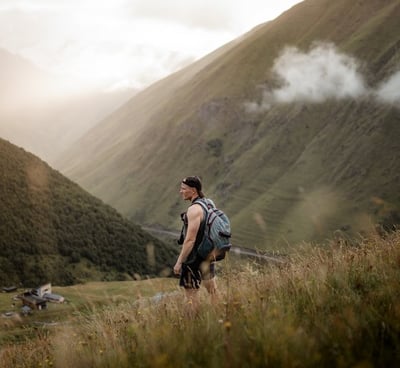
[(116, 43)]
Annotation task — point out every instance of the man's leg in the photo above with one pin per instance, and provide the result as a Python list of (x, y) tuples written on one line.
[(191, 280), (209, 281), (192, 302)]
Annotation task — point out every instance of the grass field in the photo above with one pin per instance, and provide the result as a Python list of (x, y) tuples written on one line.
[(79, 299), (329, 306)]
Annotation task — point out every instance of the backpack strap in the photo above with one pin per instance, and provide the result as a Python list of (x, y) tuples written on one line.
[(184, 225), (201, 232), (205, 203)]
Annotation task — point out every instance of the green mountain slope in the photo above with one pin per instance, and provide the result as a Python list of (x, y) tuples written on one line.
[(294, 171), (52, 230)]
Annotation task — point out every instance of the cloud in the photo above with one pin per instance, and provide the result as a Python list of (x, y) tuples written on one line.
[(318, 75), (206, 14), (107, 42), (389, 91)]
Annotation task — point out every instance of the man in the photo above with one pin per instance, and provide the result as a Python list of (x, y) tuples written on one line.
[(189, 265)]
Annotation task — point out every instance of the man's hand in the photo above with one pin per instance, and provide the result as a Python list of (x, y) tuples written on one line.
[(177, 268)]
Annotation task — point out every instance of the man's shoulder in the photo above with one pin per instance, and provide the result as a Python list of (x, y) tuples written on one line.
[(198, 206), (195, 207), (204, 202)]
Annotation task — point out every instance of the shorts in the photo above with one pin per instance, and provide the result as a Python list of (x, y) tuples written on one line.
[(193, 272)]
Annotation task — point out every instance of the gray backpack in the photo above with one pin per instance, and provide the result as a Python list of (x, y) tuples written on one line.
[(217, 231)]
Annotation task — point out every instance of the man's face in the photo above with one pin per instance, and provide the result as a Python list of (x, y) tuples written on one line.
[(187, 192)]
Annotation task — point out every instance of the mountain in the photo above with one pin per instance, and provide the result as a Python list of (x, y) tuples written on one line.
[(52, 230), (288, 126), (45, 114)]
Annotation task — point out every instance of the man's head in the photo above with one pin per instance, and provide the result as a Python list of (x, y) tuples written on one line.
[(191, 188)]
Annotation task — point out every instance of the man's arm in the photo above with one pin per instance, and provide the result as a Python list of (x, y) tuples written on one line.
[(194, 216)]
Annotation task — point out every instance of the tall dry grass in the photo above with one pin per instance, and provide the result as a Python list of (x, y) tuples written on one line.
[(329, 306)]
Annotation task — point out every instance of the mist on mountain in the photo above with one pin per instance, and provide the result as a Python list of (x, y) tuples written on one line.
[(318, 75)]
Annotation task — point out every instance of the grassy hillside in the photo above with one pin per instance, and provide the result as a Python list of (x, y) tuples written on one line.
[(330, 306), (51, 230), (295, 171)]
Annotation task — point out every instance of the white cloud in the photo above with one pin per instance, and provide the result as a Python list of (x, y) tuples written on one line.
[(389, 91), (315, 76), (125, 41), (318, 75), (205, 14)]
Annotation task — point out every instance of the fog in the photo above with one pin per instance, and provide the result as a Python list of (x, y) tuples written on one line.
[(45, 114), (318, 75), (389, 91), (131, 43)]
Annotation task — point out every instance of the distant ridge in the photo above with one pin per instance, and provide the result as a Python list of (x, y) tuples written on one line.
[(45, 114), (299, 165), (51, 230)]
